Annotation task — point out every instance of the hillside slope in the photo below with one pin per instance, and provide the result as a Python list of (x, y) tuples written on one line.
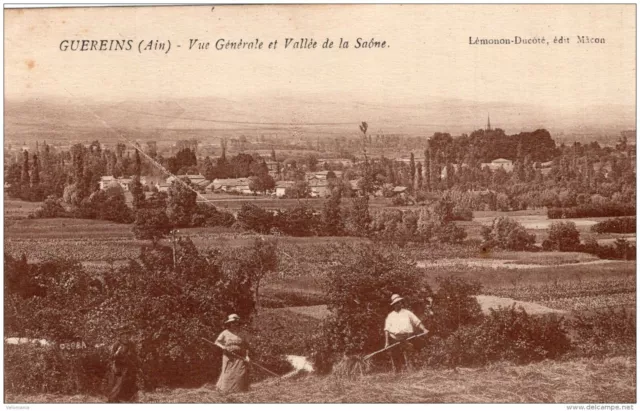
[(577, 381)]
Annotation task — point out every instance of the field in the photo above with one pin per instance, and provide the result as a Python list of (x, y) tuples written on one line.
[(292, 299), (576, 381), (564, 281)]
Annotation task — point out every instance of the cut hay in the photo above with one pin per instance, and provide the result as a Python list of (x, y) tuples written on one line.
[(351, 367), (608, 380)]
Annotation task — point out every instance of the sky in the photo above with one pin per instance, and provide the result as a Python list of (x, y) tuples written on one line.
[(429, 56)]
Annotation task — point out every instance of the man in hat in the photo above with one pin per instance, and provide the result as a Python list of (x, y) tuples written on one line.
[(400, 325), (124, 367)]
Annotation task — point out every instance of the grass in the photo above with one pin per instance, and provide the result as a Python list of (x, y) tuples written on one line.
[(18, 209), (611, 380)]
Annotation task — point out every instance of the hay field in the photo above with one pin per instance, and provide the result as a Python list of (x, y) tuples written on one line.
[(611, 380)]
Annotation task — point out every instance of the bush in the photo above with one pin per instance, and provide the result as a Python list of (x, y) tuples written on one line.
[(616, 225), (454, 305), (461, 213), (506, 334), (608, 209), (606, 332), (31, 369), (508, 234), (450, 233), (358, 291), (51, 208), (252, 217), (299, 221), (170, 309), (563, 236)]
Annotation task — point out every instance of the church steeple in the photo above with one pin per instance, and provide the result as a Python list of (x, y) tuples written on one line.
[(488, 123)]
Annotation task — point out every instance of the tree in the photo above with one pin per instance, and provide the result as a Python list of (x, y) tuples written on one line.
[(427, 169), (35, 171), (208, 170), (358, 218), (252, 217), (261, 183), (273, 155), (508, 234), (412, 172), (563, 236), (264, 259), (300, 189), (331, 215), (151, 224), (182, 203), (137, 192), (24, 177), (137, 165), (419, 175)]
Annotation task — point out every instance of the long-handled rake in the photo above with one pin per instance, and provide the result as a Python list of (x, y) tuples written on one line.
[(255, 364), (368, 356)]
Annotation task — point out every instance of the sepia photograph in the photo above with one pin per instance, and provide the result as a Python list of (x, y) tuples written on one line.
[(320, 203)]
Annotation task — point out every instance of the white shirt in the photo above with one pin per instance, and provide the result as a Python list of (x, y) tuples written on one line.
[(401, 322)]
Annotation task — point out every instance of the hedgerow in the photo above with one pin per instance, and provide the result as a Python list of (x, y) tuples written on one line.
[(616, 225)]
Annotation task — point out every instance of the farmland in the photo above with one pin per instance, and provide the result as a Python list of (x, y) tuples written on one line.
[(574, 278), (293, 303), (575, 381)]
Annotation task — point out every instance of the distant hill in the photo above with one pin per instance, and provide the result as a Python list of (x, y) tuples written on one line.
[(309, 115)]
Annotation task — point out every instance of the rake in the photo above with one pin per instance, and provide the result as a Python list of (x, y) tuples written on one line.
[(255, 364), (366, 357)]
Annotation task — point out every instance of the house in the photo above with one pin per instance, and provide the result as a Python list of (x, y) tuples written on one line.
[(399, 190), (407, 160), (229, 185), (321, 175), (125, 183), (195, 179), (273, 167), (319, 187), (162, 186), (456, 168), (345, 162), (499, 163), (281, 187), (355, 185)]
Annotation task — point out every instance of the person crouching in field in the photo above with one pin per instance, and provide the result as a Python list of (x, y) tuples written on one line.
[(124, 368), (235, 360), (400, 325)]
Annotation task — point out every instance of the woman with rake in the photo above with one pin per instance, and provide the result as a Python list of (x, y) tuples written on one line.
[(235, 360)]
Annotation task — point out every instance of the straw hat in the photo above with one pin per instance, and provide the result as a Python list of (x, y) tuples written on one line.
[(396, 299), (232, 318)]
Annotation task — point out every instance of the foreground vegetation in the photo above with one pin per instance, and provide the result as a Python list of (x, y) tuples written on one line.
[(609, 380)]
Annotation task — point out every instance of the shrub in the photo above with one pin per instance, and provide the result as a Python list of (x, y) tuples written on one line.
[(358, 291), (606, 332), (508, 234), (461, 213), (31, 369), (170, 307), (616, 225), (507, 334), (455, 305), (563, 236), (51, 208), (608, 209), (450, 233), (252, 217), (299, 221)]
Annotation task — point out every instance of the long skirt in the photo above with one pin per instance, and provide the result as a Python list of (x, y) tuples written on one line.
[(234, 376), (123, 386)]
